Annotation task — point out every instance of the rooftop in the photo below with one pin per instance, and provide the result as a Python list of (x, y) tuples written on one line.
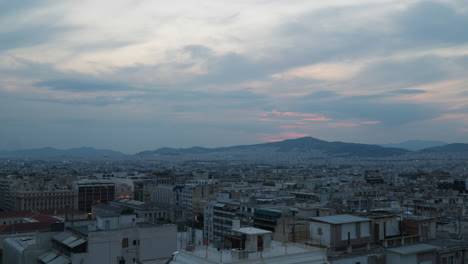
[(251, 231), (413, 249), (69, 239), (278, 253), (339, 219), (24, 228), (52, 258), (23, 242)]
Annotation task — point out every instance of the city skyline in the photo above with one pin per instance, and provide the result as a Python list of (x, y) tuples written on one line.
[(138, 75)]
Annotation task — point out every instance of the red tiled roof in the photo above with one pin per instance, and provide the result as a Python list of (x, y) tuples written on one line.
[(11, 214), (61, 212), (24, 228), (23, 214), (45, 219)]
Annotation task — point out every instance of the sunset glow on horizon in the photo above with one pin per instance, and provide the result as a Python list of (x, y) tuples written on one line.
[(136, 75)]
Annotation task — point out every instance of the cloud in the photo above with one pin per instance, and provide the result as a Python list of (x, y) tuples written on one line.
[(25, 24), (280, 136), (83, 85), (357, 70), (430, 22), (292, 114), (319, 118), (404, 73), (17, 7), (30, 36), (408, 91), (449, 116), (370, 122), (370, 108), (321, 94)]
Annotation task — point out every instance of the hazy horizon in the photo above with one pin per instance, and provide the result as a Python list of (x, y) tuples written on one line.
[(183, 147), (140, 75)]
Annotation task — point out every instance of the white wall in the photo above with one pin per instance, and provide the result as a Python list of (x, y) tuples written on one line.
[(365, 229), (345, 228), (323, 239), (392, 228), (394, 258), (155, 242)]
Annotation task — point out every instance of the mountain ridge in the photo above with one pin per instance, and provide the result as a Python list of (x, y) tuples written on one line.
[(306, 147), (415, 145), (454, 148), (50, 152), (301, 145)]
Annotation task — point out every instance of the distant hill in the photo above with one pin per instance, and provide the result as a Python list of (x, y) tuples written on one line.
[(48, 152), (415, 145), (455, 147), (306, 146), (302, 149)]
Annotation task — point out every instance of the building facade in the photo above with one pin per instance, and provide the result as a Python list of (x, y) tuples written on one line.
[(92, 192)]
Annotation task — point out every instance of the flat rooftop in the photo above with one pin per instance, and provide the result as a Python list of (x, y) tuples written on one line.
[(413, 249), (288, 253), (251, 231), (339, 219)]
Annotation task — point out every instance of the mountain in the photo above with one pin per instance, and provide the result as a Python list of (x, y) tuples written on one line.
[(304, 147), (415, 145), (455, 147), (48, 152)]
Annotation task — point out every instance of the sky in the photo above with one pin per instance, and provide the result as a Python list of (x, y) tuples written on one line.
[(133, 75)]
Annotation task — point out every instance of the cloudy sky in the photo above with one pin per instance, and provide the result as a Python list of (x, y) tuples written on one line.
[(131, 75)]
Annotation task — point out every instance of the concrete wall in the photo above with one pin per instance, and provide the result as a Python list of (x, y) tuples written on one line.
[(427, 258), (421, 258), (324, 237), (339, 235), (154, 242)]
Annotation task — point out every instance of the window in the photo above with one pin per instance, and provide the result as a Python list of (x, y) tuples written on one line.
[(134, 242), (125, 243), (451, 260)]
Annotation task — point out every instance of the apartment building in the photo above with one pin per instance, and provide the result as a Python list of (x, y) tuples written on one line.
[(91, 192)]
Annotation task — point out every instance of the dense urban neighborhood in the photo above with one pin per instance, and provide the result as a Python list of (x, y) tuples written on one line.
[(165, 208)]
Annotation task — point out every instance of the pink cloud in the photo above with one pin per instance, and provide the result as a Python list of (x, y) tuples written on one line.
[(342, 124), (461, 116), (321, 118), (289, 114), (304, 116), (272, 140), (295, 114), (281, 136), (269, 120), (292, 135), (370, 122)]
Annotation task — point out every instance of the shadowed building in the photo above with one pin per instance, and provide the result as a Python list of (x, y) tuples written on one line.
[(91, 192)]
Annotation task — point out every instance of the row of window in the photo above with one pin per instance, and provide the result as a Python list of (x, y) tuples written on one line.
[(41, 194), (156, 215)]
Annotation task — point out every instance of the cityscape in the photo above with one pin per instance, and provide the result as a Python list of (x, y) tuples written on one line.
[(287, 202), (246, 131)]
